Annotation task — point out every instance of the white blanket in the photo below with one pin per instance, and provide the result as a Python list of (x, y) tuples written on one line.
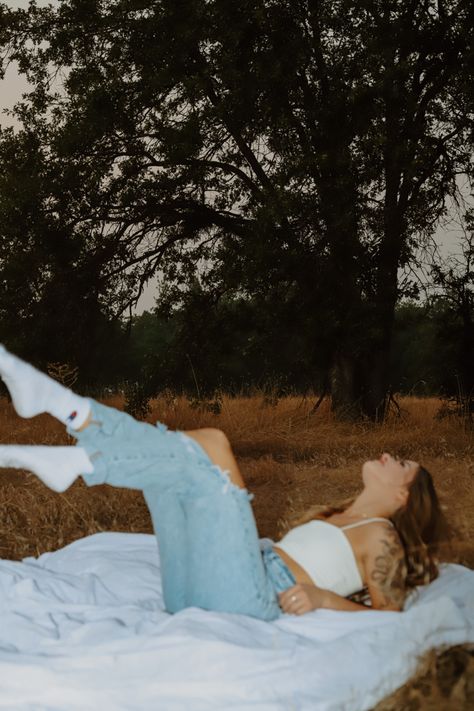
[(83, 628)]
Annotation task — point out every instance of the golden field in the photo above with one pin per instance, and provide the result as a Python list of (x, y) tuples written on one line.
[(291, 458)]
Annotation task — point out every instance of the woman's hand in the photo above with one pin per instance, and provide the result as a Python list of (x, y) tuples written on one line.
[(301, 598)]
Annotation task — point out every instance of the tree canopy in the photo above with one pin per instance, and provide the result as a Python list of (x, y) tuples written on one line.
[(291, 151)]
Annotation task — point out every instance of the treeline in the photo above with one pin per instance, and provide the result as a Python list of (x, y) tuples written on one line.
[(235, 347)]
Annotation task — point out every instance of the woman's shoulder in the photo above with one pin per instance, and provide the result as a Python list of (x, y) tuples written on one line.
[(382, 535), (382, 553), (376, 542)]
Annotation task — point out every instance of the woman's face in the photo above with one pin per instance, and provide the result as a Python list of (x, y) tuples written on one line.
[(390, 472)]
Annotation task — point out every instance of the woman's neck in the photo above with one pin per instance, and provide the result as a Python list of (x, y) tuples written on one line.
[(366, 505)]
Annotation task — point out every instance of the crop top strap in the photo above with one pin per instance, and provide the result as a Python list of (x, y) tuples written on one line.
[(366, 520)]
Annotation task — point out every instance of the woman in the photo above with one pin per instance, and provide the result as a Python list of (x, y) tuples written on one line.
[(385, 539)]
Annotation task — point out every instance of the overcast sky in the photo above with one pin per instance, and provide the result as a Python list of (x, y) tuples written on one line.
[(14, 85)]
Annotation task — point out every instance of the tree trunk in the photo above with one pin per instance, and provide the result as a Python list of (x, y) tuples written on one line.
[(360, 385), (376, 391), (467, 354), (344, 391)]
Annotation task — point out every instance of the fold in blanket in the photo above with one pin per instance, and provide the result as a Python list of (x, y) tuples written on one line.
[(83, 627)]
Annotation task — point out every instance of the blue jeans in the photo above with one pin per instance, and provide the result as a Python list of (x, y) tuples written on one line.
[(207, 537)]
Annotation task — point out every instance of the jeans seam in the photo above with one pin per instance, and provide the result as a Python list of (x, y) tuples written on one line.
[(255, 560)]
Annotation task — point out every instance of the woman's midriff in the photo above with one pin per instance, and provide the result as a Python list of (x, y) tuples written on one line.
[(299, 573)]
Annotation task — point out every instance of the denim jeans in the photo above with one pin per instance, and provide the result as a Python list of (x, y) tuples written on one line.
[(207, 537)]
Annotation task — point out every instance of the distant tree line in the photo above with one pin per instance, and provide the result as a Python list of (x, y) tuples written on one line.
[(278, 163), (238, 348)]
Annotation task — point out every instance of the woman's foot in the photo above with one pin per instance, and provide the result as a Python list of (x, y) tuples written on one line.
[(57, 467), (33, 392)]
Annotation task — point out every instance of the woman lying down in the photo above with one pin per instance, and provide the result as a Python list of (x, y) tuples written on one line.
[(384, 540)]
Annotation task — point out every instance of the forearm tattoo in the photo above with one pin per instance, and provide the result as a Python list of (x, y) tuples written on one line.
[(389, 572)]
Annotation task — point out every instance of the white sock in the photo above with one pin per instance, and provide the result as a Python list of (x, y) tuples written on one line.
[(57, 467), (33, 392)]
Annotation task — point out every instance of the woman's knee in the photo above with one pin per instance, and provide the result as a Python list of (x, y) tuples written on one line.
[(218, 437), (218, 448), (211, 437)]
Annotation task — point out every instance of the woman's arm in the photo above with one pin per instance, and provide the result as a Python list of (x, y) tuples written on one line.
[(385, 568), (302, 598)]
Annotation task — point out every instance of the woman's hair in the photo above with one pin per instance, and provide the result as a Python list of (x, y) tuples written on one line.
[(423, 529), (421, 525)]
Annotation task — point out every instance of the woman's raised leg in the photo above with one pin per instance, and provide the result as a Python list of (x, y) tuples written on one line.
[(207, 536), (203, 520), (34, 392), (218, 448)]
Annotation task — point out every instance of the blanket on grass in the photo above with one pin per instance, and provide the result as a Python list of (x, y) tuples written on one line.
[(83, 628)]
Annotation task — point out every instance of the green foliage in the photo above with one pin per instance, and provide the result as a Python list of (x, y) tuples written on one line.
[(281, 154), (456, 321), (137, 399), (233, 349), (422, 358)]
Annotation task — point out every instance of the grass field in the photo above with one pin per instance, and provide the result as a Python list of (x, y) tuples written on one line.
[(291, 458)]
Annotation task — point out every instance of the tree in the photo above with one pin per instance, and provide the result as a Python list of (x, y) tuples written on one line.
[(54, 305), (456, 279), (296, 147)]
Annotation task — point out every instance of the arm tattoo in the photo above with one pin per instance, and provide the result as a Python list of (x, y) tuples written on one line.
[(389, 572)]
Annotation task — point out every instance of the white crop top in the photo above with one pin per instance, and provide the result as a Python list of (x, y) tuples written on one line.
[(324, 552)]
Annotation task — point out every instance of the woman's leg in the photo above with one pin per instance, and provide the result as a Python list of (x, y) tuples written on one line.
[(57, 467), (208, 540), (34, 392), (218, 448), (202, 516)]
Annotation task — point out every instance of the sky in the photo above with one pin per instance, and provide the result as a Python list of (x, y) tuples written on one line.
[(14, 84), (11, 88)]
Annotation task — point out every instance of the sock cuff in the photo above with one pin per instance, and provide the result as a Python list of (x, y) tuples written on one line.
[(80, 411)]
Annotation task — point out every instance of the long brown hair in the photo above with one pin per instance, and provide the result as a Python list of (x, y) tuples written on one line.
[(421, 525), (423, 529)]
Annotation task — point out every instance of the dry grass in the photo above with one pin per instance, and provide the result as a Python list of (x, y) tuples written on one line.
[(291, 458)]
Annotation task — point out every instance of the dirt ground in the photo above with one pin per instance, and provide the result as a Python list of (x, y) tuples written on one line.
[(291, 458)]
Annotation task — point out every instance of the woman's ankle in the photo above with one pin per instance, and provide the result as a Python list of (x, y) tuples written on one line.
[(85, 424)]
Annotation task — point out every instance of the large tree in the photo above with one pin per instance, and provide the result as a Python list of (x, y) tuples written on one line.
[(288, 148)]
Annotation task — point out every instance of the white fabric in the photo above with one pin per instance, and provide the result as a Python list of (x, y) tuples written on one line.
[(357, 524), (57, 467), (82, 629), (324, 552), (33, 392)]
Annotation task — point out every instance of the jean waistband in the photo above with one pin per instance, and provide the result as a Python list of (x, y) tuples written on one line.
[(280, 575)]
